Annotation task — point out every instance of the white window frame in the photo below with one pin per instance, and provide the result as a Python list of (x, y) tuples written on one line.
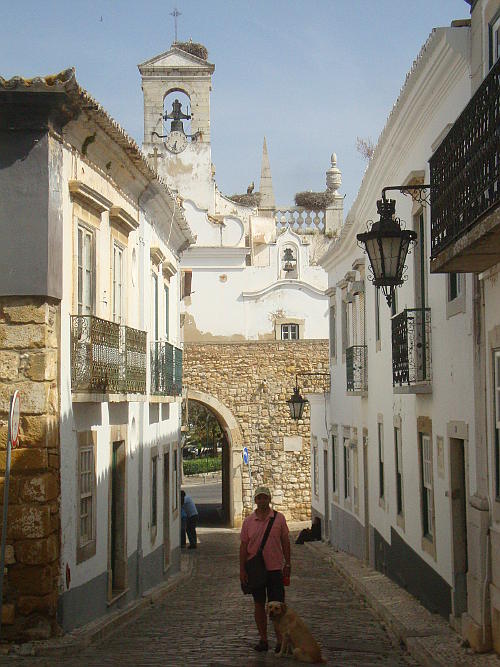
[(335, 466), (427, 485), (175, 473), (347, 468), (118, 282), (381, 461), (315, 470), (85, 288), (290, 331), (333, 330), (398, 451), (86, 490)]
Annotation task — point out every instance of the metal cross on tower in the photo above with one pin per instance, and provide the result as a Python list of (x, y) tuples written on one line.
[(175, 14)]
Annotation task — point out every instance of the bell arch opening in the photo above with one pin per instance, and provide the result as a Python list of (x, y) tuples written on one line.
[(231, 446), (176, 117)]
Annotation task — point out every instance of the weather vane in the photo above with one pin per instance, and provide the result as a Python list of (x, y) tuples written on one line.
[(175, 14)]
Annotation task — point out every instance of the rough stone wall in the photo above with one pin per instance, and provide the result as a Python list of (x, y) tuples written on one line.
[(254, 380), (29, 363)]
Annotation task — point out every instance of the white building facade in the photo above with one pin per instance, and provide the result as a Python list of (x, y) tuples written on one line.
[(115, 234), (395, 448)]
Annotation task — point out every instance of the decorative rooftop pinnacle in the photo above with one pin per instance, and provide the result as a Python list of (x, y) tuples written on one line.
[(333, 176), (267, 202)]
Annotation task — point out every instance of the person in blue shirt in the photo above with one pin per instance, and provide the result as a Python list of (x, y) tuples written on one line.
[(189, 507)]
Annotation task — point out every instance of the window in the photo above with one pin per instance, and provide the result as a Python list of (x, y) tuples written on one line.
[(377, 314), (117, 283), (394, 303), (154, 305), (176, 479), (494, 40), (186, 282), (86, 274), (355, 486), (289, 332), (154, 491), (86, 546), (347, 469), (496, 385), (454, 285), (426, 481), (335, 465), (333, 333), (399, 470), (380, 430), (316, 470), (345, 325), (167, 312)]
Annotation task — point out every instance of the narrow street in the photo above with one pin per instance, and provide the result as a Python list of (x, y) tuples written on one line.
[(207, 621)]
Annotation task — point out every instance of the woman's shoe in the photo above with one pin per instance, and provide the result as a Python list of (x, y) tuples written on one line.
[(277, 648), (261, 646)]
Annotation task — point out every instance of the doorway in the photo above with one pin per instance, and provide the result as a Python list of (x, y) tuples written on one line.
[(458, 505), (117, 525), (326, 529), (166, 510), (366, 496)]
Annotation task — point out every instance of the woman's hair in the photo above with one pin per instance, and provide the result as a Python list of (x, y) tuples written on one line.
[(183, 495)]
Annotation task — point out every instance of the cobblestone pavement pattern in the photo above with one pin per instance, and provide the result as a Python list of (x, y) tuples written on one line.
[(207, 621)]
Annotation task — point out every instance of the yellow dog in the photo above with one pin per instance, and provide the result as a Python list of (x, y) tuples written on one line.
[(296, 638)]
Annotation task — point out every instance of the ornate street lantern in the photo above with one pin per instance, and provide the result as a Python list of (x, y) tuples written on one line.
[(387, 246), (296, 403)]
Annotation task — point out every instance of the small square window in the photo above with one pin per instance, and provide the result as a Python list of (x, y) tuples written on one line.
[(289, 332)]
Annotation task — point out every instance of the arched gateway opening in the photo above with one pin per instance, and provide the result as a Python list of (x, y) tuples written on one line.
[(232, 445)]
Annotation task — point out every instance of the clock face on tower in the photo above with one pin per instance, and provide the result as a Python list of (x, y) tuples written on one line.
[(176, 141)]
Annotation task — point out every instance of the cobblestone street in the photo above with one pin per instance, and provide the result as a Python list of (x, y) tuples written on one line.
[(207, 621)]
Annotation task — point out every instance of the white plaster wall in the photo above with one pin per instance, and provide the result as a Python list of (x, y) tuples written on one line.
[(405, 147), (135, 416), (319, 422), (249, 298)]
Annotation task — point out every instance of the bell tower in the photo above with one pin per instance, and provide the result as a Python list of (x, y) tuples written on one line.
[(179, 154)]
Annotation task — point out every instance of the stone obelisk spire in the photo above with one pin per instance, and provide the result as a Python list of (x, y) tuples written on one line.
[(267, 205)]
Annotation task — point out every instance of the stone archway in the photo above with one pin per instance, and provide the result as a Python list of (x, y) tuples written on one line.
[(234, 438)]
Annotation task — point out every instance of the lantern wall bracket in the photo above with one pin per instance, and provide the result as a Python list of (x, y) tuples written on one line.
[(296, 402), (419, 193)]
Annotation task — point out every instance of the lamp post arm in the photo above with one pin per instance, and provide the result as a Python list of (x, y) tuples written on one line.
[(405, 188)]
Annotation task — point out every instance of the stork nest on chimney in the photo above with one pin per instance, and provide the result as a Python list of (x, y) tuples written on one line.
[(313, 201), (252, 199)]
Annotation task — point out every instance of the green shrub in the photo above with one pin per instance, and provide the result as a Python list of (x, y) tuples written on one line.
[(198, 466)]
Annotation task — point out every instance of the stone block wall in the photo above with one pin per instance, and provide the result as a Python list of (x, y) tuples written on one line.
[(29, 362), (254, 380)]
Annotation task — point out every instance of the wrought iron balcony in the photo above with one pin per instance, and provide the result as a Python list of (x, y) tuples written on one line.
[(106, 356), (166, 369), (411, 348), (465, 177), (356, 359)]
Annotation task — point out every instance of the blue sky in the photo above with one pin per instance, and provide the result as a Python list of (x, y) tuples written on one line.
[(311, 75)]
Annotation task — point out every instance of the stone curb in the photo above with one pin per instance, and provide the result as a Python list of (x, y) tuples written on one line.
[(428, 637), (96, 631)]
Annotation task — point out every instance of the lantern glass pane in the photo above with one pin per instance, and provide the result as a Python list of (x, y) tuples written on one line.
[(391, 246), (373, 250)]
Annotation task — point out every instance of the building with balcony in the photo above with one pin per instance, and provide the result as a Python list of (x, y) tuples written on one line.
[(465, 247), (90, 335), (392, 454)]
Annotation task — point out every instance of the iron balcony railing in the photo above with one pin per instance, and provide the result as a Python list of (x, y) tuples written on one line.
[(411, 347), (106, 356), (356, 359), (166, 369), (465, 169)]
